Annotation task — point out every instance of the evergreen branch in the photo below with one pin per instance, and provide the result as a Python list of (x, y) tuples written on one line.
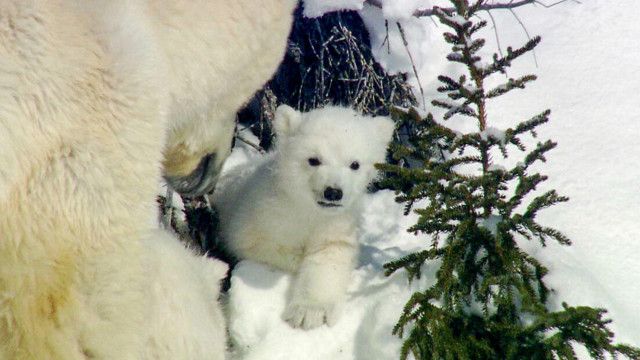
[(500, 63), (454, 109), (458, 89), (455, 40), (538, 153), (510, 85), (476, 27), (542, 233), (448, 165), (583, 325), (437, 225), (412, 262), (545, 200), (527, 126), (476, 44), (450, 84), (525, 185)]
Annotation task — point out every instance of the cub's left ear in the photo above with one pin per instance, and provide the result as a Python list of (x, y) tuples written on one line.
[(286, 120), (383, 130)]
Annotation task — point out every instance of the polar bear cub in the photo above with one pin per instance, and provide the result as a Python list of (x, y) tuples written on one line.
[(296, 210)]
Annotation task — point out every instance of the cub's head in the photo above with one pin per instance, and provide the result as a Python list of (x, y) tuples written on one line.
[(326, 157)]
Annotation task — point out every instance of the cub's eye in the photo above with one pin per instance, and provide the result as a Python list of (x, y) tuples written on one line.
[(355, 165), (314, 161)]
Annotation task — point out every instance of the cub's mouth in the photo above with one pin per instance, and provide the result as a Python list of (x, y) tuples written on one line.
[(328, 204)]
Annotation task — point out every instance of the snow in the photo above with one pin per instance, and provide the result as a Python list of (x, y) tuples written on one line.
[(317, 8), (494, 133), (402, 9), (392, 10), (261, 334), (588, 73), (388, 47), (456, 19)]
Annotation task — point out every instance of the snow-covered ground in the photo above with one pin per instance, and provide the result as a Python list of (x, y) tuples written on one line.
[(589, 72)]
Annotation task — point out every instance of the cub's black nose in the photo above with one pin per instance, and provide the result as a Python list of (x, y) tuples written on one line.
[(332, 194)]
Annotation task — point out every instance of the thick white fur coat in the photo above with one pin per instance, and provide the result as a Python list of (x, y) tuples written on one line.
[(285, 212), (92, 95)]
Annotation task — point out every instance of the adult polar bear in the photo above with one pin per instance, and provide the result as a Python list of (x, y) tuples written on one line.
[(92, 94)]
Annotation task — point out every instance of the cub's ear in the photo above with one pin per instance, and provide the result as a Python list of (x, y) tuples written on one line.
[(383, 129), (286, 120)]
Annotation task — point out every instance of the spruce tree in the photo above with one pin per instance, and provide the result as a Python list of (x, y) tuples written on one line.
[(489, 299)]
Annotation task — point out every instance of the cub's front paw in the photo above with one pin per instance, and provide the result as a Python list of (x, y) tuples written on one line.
[(311, 316)]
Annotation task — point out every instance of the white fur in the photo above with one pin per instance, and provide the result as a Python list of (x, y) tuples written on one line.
[(185, 289), (235, 48), (92, 93), (274, 215)]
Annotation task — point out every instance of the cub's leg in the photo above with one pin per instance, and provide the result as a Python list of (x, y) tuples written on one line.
[(320, 285)]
